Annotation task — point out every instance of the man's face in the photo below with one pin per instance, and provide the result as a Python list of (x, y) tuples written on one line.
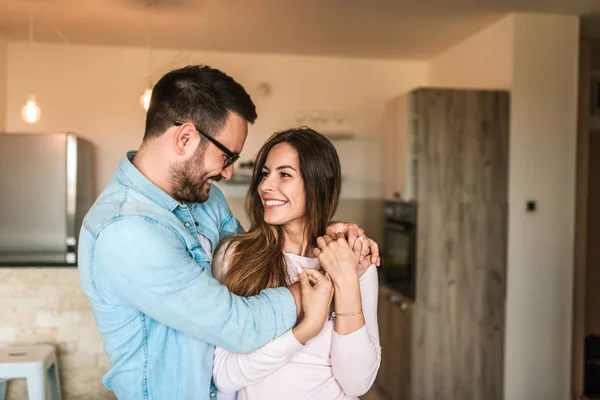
[(192, 178)]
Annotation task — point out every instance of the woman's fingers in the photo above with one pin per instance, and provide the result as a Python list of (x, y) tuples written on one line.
[(304, 283), (321, 242), (314, 275)]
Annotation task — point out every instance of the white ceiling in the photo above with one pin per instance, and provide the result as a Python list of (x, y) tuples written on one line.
[(409, 29)]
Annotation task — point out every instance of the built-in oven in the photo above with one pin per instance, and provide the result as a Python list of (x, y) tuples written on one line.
[(399, 250)]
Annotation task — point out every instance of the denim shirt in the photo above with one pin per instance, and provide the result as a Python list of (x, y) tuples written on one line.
[(157, 307)]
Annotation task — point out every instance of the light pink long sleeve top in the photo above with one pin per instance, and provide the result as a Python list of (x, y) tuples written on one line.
[(330, 366)]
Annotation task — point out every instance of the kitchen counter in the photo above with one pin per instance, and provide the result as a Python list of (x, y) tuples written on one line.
[(46, 305)]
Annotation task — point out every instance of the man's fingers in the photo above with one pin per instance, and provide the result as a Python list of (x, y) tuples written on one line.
[(354, 232), (317, 251), (339, 236), (366, 249), (374, 248)]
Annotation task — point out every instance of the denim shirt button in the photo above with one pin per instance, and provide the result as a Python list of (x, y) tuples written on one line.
[(212, 394), (187, 224)]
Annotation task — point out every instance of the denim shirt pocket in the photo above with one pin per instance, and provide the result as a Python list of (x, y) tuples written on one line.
[(230, 227)]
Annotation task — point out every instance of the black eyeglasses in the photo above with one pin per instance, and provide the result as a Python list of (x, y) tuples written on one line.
[(231, 156)]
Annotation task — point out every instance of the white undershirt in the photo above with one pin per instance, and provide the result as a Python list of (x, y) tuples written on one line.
[(206, 246)]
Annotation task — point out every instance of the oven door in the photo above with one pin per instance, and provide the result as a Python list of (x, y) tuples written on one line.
[(398, 261)]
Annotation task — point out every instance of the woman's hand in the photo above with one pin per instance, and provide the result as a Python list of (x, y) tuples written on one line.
[(317, 293), (339, 259), (341, 263), (352, 232)]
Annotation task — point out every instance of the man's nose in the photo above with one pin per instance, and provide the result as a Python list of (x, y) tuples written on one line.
[(227, 173)]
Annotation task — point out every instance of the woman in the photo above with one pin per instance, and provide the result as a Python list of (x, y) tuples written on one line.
[(293, 195)]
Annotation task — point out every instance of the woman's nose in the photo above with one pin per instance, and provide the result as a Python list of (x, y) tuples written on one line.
[(266, 185)]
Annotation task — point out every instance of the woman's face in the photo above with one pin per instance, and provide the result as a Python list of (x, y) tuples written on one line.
[(282, 188)]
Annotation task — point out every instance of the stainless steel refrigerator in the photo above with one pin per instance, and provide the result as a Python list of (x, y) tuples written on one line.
[(46, 187)]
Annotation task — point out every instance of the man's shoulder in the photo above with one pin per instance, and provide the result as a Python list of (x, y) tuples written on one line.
[(121, 203)]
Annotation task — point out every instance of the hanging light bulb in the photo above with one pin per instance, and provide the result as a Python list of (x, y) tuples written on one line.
[(31, 112), (145, 99)]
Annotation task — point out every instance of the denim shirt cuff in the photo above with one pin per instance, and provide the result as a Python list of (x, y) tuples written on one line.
[(285, 306)]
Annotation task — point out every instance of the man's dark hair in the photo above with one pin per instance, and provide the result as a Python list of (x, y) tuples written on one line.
[(199, 94)]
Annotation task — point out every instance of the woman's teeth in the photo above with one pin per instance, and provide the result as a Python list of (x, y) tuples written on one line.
[(270, 203)]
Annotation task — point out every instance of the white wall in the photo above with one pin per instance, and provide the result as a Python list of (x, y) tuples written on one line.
[(484, 60), (95, 92), (3, 81), (542, 168), (542, 76)]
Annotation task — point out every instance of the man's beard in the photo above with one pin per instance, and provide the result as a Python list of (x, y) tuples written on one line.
[(188, 180)]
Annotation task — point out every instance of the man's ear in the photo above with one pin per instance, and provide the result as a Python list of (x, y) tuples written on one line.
[(185, 139)]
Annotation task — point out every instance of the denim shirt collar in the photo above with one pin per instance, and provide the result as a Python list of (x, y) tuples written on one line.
[(134, 178)]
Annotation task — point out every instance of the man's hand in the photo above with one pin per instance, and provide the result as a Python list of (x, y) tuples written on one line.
[(352, 232)]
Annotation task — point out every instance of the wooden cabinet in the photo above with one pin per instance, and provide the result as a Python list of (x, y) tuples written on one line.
[(456, 142), (393, 379)]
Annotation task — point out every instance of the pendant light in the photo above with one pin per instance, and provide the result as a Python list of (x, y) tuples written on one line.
[(145, 99), (31, 112)]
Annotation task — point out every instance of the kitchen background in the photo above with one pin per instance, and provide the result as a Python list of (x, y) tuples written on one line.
[(94, 91)]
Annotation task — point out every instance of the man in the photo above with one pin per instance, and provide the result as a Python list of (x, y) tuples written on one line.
[(146, 245)]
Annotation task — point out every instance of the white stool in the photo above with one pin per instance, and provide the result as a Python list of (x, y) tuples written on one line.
[(37, 364)]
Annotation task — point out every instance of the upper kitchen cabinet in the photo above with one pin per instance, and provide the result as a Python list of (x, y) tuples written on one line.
[(446, 144), (400, 149)]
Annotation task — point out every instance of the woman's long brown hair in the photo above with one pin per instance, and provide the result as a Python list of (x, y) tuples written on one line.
[(256, 260)]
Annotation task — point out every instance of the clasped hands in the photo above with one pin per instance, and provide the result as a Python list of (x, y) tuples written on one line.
[(343, 264)]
